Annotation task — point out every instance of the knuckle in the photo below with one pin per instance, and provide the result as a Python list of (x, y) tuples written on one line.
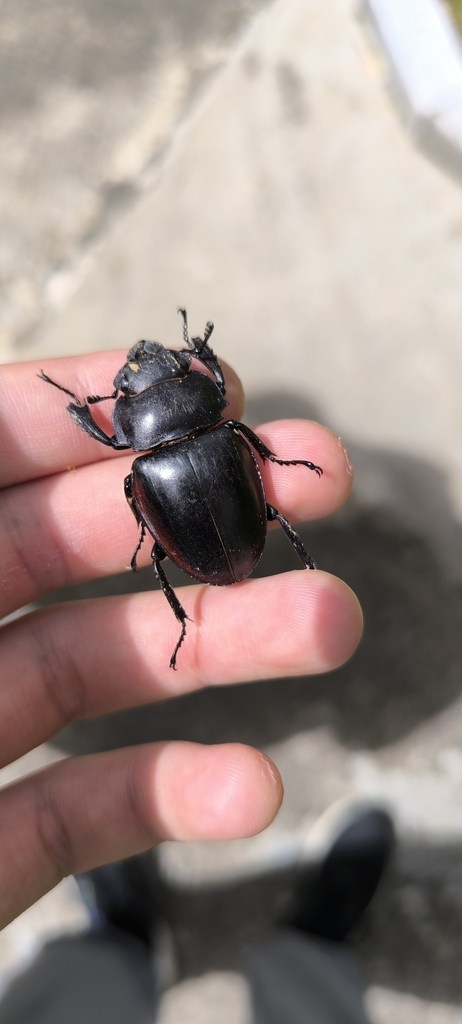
[(60, 674), (54, 834)]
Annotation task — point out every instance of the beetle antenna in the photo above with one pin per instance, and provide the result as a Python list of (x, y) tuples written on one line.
[(185, 327), (48, 380)]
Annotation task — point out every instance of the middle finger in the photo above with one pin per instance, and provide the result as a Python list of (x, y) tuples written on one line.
[(76, 526)]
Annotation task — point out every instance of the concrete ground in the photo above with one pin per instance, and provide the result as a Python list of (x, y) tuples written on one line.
[(287, 203)]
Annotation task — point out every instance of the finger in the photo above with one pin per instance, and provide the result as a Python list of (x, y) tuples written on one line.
[(77, 526), (297, 490), (86, 658), (37, 435), (88, 811)]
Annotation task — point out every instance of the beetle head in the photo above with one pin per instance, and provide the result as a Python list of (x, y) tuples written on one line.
[(147, 363)]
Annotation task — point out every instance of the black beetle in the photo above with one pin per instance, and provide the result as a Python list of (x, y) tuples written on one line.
[(198, 490)]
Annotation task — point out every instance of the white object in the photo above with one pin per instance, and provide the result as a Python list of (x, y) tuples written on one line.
[(425, 59)]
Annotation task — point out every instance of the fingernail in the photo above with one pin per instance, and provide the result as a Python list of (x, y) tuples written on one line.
[(346, 457)]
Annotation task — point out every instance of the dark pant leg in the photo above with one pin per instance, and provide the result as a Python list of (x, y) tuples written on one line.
[(299, 980), (90, 979)]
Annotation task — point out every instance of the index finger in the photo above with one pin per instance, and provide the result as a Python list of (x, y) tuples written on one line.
[(37, 435)]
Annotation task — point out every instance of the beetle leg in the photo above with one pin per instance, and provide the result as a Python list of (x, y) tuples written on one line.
[(157, 554), (272, 514), (133, 564), (83, 418), (128, 489), (80, 413), (266, 453)]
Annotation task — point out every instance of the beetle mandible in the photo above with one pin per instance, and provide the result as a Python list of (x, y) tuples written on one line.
[(198, 488)]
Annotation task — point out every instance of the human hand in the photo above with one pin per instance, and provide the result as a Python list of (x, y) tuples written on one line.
[(75, 660)]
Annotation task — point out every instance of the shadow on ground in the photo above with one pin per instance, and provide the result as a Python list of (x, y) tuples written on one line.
[(408, 666), (410, 939), (407, 669)]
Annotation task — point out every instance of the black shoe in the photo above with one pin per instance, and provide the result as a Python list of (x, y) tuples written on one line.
[(121, 896), (334, 892)]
